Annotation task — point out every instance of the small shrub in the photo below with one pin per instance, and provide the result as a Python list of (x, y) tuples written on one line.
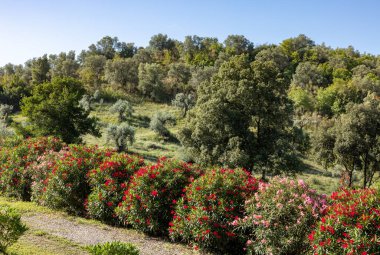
[(279, 216), (108, 182), (351, 225), (113, 248), (212, 202), (11, 227), (148, 203), (67, 186)]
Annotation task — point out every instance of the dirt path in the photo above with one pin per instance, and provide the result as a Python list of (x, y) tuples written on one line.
[(86, 234)]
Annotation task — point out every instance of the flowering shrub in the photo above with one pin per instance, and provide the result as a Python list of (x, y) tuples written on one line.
[(15, 178), (148, 203), (212, 202), (67, 186), (351, 226), (279, 217), (40, 170), (108, 182)]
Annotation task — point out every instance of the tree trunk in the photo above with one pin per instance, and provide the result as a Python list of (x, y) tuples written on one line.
[(365, 171)]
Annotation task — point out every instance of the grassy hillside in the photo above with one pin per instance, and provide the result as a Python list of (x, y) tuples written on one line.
[(147, 143), (151, 146)]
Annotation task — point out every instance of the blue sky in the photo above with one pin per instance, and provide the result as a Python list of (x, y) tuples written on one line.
[(31, 28)]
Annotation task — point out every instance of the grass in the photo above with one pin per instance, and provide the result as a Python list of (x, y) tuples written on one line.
[(39, 242)]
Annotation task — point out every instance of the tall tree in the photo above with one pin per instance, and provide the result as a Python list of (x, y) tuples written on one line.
[(151, 81), (40, 68), (92, 71), (53, 109), (123, 73), (242, 117), (64, 65)]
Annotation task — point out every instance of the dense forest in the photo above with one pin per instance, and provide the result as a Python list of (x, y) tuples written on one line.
[(262, 107)]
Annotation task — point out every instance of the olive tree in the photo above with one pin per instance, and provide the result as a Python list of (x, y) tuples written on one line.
[(120, 135), (123, 108)]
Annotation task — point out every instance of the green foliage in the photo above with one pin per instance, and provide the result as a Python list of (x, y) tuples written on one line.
[(149, 201), (123, 108), (204, 216), (5, 110), (64, 65), (53, 109), (243, 116), (151, 81), (184, 102), (302, 100), (11, 227), (92, 72), (279, 216), (158, 122), (120, 135), (122, 73), (353, 141), (40, 70), (113, 248)]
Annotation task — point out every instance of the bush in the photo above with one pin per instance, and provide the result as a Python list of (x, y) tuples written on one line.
[(279, 216), (351, 226), (15, 175), (148, 203), (40, 171), (11, 227), (67, 186), (113, 248), (212, 202), (108, 182)]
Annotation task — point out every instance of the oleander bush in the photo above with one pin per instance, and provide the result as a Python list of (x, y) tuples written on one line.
[(108, 182), (351, 225), (40, 171), (204, 216), (11, 227), (67, 186), (148, 202), (15, 176), (279, 217)]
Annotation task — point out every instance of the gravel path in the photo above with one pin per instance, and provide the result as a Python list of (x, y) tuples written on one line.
[(87, 234)]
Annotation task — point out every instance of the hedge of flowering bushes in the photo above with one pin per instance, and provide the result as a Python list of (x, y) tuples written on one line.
[(107, 183), (279, 216), (15, 175), (149, 201), (67, 186), (211, 203), (351, 225), (223, 210)]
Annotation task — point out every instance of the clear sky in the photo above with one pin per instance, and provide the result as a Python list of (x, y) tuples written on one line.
[(31, 28)]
